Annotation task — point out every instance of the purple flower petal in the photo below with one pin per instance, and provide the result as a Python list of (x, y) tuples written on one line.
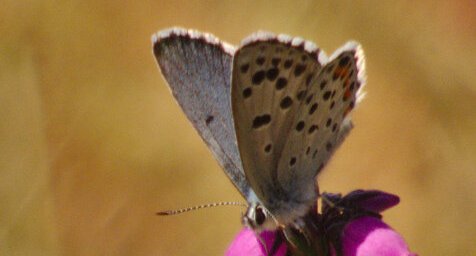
[(373, 200), (369, 236), (248, 243)]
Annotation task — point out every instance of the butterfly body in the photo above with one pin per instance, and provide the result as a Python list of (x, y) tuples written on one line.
[(272, 111)]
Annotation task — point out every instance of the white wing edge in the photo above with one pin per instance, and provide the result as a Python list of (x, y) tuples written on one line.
[(361, 73), (193, 34), (308, 46)]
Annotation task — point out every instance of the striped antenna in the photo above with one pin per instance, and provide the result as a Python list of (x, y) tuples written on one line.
[(198, 207)]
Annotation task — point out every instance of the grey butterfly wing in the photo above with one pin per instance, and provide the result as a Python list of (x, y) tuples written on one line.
[(322, 122), (270, 78), (197, 68)]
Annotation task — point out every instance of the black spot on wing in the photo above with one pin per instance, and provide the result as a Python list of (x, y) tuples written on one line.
[(300, 125), (260, 60), (309, 98), (300, 95), (209, 119), (313, 108), (260, 121), (247, 92), (288, 63), (292, 162), (258, 77), (312, 129), (335, 76), (308, 79), (281, 83), (244, 68), (286, 102), (272, 73), (323, 84), (314, 154), (344, 61), (352, 85), (299, 69), (268, 148)]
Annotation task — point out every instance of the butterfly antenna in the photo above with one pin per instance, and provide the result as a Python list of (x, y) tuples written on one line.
[(198, 207)]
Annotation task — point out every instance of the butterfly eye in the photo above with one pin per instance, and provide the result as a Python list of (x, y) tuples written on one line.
[(260, 216)]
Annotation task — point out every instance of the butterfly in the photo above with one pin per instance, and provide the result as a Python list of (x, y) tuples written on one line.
[(272, 111)]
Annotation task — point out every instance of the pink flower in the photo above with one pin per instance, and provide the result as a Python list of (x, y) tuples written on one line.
[(248, 243), (351, 226), (369, 236)]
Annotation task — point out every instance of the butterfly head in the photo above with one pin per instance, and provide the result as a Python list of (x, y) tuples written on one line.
[(258, 218)]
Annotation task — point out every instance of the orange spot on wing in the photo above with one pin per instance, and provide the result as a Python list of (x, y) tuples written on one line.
[(344, 73), (337, 71), (346, 83), (347, 93), (341, 72), (349, 108)]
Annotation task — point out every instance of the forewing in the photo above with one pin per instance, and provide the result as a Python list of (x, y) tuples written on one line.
[(197, 68), (322, 122), (271, 76)]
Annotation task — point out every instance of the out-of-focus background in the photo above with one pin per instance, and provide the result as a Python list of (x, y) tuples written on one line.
[(92, 143)]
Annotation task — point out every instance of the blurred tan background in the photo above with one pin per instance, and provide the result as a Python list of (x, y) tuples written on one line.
[(92, 143)]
